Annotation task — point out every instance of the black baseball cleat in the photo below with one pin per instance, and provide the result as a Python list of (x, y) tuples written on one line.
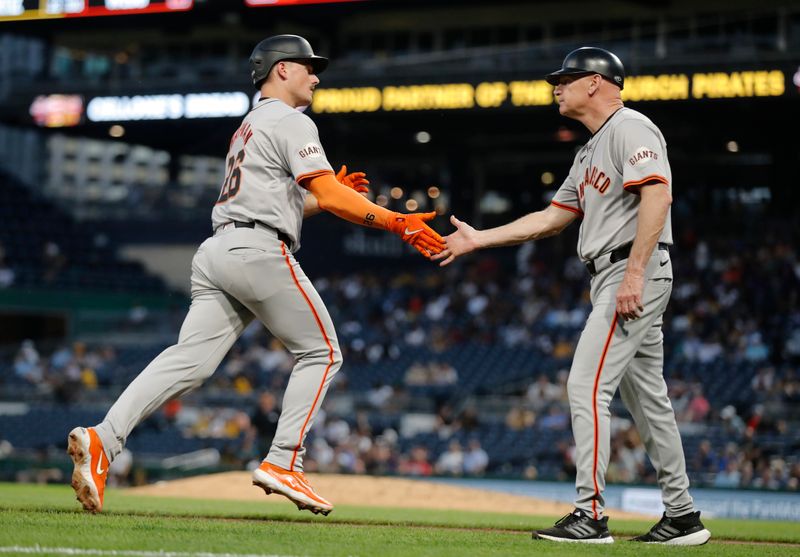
[(577, 527), (677, 530)]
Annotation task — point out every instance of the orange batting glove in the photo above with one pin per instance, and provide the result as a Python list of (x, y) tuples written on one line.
[(413, 231), (355, 181)]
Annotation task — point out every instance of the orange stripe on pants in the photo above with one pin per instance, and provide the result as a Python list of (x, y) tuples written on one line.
[(594, 410), (330, 355)]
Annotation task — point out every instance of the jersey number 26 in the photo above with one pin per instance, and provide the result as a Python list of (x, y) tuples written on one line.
[(230, 187)]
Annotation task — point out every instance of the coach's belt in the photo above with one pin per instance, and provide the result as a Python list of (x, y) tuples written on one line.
[(282, 236), (604, 261)]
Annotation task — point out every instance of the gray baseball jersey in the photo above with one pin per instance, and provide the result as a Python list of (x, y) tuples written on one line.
[(272, 151), (245, 272), (626, 153)]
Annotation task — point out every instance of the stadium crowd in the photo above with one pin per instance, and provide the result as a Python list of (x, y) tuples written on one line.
[(734, 306)]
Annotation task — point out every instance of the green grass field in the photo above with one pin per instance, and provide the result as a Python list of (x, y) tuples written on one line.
[(46, 520)]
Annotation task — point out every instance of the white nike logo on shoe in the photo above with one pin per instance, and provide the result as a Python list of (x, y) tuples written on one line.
[(411, 232), (99, 469)]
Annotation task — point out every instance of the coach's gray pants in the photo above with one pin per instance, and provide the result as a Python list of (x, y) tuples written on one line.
[(614, 353), (237, 274)]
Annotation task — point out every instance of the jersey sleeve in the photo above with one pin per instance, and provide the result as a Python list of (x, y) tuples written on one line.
[(644, 156), (297, 141), (567, 197)]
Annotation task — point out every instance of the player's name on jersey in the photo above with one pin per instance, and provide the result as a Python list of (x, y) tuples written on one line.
[(495, 94)]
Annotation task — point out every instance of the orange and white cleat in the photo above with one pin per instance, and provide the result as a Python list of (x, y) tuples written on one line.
[(293, 485), (91, 467)]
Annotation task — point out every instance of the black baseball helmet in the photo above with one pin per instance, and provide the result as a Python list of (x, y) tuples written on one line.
[(590, 60), (282, 47)]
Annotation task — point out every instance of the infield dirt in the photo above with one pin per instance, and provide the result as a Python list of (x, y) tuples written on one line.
[(367, 491)]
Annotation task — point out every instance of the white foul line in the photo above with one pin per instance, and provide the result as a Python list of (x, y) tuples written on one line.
[(37, 549)]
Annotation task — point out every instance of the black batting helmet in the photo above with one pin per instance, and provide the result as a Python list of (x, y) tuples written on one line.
[(590, 60), (282, 47)]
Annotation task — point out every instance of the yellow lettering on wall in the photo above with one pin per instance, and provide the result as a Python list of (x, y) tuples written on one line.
[(656, 88), (720, 85), (492, 94), (429, 97), (531, 93), (358, 99)]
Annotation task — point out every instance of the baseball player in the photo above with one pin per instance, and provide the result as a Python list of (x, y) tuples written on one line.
[(277, 173), (620, 184)]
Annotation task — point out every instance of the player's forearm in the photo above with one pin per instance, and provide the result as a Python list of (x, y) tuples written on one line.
[(652, 216), (311, 206), (533, 226), (346, 203)]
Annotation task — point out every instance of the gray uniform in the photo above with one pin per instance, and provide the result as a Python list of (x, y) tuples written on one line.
[(242, 272), (628, 152)]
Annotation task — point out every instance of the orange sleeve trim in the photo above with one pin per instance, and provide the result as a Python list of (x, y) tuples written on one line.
[(346, 203), (646, 181), (312, 174), (567, 208)]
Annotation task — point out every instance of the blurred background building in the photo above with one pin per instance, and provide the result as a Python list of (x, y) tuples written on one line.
[(112, 137)]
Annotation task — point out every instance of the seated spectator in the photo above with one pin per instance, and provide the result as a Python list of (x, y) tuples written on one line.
[(416, 463), (763, 380), (731, 422), (451, 461), (27, 363), (698, 408), (468, 419), (336, 430), (273, 358), (443, 374), (446, 422), (476, 460), (382, 457), (556, 418), (705, 459), (417, 375), (379, 395), (730, 477), (53, 261), (518, 418), (543, 392), (264, 421)]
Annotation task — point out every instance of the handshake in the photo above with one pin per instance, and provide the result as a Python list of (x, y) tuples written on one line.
[(413, 228)]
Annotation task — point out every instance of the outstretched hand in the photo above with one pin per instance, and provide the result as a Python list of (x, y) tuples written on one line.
[(355, 180), (463, 240), (413, 231)]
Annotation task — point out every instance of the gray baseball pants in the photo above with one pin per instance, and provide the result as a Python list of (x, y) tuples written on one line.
[(613, 353), (237, 274)]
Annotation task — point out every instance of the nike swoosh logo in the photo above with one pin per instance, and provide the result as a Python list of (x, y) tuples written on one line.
[(663, 263), (99, 468), (583, 157), (411, 232)]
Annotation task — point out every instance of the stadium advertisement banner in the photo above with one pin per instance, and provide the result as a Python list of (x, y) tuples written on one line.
[(57, 110), (496, 94), (20, 10)]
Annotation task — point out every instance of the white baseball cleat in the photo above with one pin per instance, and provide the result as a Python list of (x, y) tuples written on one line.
[(91, 467)]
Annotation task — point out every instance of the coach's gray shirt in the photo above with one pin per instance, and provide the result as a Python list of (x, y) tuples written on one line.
[(626, 153)]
